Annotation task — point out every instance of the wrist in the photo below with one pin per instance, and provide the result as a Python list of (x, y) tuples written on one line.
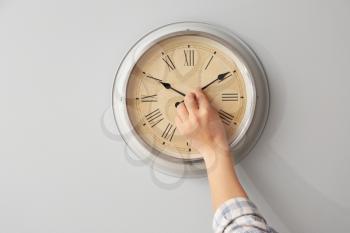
[(213, 152), (217, 158), (215, 146)]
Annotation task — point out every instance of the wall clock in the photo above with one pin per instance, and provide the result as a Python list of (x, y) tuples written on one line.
[(162, 67)]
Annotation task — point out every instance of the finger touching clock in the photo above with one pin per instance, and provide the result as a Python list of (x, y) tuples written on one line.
[(202, 99), (182, 112), (179, 124), (191, 102)]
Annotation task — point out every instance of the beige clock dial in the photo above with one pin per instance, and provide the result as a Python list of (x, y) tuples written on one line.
[(168, 70)]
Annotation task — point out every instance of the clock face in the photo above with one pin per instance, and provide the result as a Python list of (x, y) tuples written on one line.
[(173, 67)]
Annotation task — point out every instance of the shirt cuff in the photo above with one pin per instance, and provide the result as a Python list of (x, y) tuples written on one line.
[(237, 213)]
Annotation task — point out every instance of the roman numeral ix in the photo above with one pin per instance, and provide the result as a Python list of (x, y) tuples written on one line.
[(154, 117), (169, 132), (225, 117), (189, 57)]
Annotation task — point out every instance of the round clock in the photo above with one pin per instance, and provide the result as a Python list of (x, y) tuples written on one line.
[(167, 63)]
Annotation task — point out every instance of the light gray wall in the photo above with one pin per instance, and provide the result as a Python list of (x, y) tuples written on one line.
[(60, 172)]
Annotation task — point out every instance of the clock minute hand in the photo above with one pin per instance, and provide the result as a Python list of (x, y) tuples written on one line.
[(220, 77), (168, 86)]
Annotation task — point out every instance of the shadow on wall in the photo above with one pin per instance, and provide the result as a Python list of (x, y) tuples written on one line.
[(159, 178), (300, 206)]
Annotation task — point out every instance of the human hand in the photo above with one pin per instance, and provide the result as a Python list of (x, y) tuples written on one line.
[(198, 120)]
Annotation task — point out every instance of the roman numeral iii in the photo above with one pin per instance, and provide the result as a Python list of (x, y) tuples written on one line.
[(154, 117), (169, 63), (189, 57), (225, 117), (229, 96)]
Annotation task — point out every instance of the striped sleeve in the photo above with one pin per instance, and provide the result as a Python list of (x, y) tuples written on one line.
[(239, 215)]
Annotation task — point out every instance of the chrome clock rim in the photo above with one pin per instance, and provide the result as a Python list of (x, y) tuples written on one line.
[(257, 90)]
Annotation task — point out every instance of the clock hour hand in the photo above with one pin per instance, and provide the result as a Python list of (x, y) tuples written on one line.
[(220, 77), (168, 86), (149, 76)]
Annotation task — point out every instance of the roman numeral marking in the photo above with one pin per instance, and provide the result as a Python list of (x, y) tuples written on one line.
[(189, 57), (169, 63), (209, 62), (154, 117), (211, 58), (225, 117), (229, 96), (169, 132), (149, 98)]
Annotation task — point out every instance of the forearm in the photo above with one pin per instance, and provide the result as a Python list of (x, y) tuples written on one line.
[(234, 212), (222, 177), (200, 122)]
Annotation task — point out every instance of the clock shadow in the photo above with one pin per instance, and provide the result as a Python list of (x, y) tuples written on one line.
[(299, 206)]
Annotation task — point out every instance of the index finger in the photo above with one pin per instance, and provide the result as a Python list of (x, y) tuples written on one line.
[(201, 98)]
